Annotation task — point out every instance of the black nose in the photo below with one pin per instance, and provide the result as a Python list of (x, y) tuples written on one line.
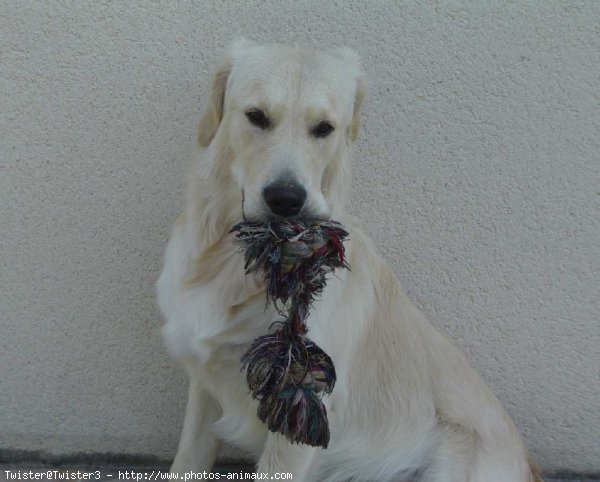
[(284, 198)]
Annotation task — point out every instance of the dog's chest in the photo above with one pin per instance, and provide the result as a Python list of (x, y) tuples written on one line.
[(225, 309), (201, 332), (208, 328)]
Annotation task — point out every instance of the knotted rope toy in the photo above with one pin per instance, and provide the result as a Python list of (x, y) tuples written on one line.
[(286, 371)]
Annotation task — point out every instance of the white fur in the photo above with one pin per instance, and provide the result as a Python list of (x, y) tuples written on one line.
[(406, 405)]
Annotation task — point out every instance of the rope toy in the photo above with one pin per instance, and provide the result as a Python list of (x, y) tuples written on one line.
[(286, 371)]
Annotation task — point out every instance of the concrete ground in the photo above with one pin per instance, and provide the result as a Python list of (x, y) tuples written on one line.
[(137, 473)]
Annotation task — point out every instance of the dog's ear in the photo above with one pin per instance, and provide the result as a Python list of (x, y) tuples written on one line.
[(358, 100), (213, 113), (352, 62)]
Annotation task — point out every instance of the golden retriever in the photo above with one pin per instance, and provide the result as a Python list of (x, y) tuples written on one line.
[(275, 141)]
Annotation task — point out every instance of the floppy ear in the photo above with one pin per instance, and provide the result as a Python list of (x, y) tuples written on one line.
[(213, 113), (358, 99), (352, 63)]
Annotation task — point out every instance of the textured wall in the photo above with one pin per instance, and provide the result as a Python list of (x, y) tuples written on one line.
[(477, 173)]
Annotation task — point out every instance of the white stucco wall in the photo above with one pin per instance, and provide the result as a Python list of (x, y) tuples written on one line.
[(477, 173)]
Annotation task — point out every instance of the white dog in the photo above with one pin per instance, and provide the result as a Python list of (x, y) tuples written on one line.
[(275, 142)]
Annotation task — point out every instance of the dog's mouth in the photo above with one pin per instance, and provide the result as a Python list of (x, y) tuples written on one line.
[(300, 219)]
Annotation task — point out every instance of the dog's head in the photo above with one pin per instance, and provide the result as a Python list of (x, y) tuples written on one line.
[(283, 118)]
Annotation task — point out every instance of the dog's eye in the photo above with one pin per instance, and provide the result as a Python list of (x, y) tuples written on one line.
[(258, 118), (323, 129)]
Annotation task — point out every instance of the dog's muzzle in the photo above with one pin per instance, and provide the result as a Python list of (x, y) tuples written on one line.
[(284, 198)]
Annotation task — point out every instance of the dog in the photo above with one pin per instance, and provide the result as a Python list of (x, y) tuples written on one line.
[(274, 142)]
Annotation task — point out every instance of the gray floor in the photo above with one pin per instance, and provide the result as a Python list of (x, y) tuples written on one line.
[(141, 473)]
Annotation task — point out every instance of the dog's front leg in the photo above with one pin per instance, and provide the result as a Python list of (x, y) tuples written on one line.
[(280, 455), (198, 445)]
